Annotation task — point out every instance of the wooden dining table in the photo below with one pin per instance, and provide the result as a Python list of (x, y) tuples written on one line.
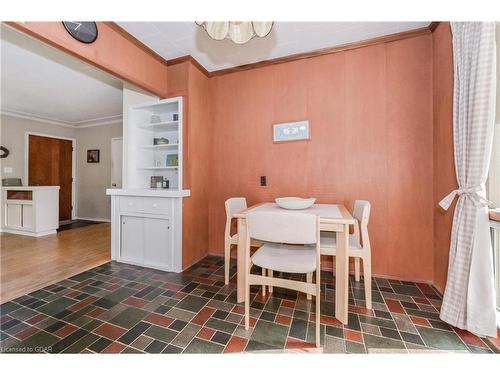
[(333, 218)]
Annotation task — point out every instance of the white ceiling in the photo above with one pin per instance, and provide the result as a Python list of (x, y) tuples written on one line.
[(176, 39), (38, 81)]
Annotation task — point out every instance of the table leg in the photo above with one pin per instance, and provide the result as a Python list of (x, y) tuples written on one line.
[(241, 260), (342, 276)]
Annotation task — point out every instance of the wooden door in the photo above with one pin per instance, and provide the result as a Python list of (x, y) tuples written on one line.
[(50, 164)]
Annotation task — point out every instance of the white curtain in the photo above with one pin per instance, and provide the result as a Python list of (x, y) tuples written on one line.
[(469, 297)]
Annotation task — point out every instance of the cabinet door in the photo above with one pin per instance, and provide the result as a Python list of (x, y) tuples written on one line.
[(157, 245), (132, 238), (28, 216), (14, 215)]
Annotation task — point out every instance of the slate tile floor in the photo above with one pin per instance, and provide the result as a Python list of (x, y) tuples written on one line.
[(117, 308)]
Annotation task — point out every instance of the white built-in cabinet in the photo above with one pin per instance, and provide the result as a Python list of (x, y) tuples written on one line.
[(147, 241), (30, 210), (147, 122), (146, 224)]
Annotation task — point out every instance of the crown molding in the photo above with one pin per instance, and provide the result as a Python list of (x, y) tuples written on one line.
[(433, 25), (68, 124), (305, 55), (180, 60), (326, 51)]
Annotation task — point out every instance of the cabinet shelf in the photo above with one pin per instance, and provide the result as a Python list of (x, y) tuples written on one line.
[(161, 126), (161, 147)]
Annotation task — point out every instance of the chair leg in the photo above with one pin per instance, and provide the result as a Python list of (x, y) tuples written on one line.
[(247, 302), (367, 275), (318, 311), (356, 269), (263, 285), (309, 279), (270, 274), (227, 261)]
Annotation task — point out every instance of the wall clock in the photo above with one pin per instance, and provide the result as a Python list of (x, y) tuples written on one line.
[(85, 32)]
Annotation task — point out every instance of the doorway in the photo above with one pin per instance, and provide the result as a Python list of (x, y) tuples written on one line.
[(51, 163), (116, 162)]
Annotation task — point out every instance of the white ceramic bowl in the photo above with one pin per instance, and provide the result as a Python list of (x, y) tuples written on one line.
[(295, 203)]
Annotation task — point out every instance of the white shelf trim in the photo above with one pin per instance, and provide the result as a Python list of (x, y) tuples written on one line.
[(160, 147), (169, 125), (158, 168)]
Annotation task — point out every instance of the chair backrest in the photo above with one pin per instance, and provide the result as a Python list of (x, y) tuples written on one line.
[(291, 228), (233, 206), (361, 213)]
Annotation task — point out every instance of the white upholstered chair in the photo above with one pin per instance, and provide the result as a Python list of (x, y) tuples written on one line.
[(359, 246), (233, 206), (282, 234)]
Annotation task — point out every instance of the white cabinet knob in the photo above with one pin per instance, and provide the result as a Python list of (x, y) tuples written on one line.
[(130, 204), (155, 205)]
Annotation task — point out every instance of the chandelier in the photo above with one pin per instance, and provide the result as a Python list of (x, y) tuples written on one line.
[(238, 32)]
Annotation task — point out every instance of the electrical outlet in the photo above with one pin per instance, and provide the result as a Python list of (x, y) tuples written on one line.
[(263, 181), (7, 170)]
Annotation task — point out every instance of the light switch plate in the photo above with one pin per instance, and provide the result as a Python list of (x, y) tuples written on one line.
[(7, 170)]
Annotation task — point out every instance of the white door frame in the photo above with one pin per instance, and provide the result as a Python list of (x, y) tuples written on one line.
[(111, 152), (73, 164)]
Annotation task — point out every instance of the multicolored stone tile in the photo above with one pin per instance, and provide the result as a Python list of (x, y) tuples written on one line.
[(119, 308)]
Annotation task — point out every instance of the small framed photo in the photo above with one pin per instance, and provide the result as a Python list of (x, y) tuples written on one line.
[(172, 160), (291, 131), (93, 156)]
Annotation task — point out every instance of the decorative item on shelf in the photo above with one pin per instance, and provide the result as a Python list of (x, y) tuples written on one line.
[(291, 131), (11, 181), (155, 119), (93, 156), (156, 182), (160, 141), (5, 152), (165, 184), (237, 31), (157, 163), (175, 117), (172, 160)]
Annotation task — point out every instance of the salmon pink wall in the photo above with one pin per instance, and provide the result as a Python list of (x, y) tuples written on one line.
[(444, 165), (186, 79), (112, 51), (370, 112)]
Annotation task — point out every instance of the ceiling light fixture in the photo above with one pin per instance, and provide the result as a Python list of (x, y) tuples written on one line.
[(238, 31)]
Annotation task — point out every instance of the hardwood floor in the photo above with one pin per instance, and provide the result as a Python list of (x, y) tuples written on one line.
[(29, 263)]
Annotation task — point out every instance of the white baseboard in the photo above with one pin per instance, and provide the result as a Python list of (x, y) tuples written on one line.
[(28, 233), (92, 219)]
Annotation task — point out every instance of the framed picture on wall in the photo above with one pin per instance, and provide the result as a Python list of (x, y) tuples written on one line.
[(291, 131), (93, 156)]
